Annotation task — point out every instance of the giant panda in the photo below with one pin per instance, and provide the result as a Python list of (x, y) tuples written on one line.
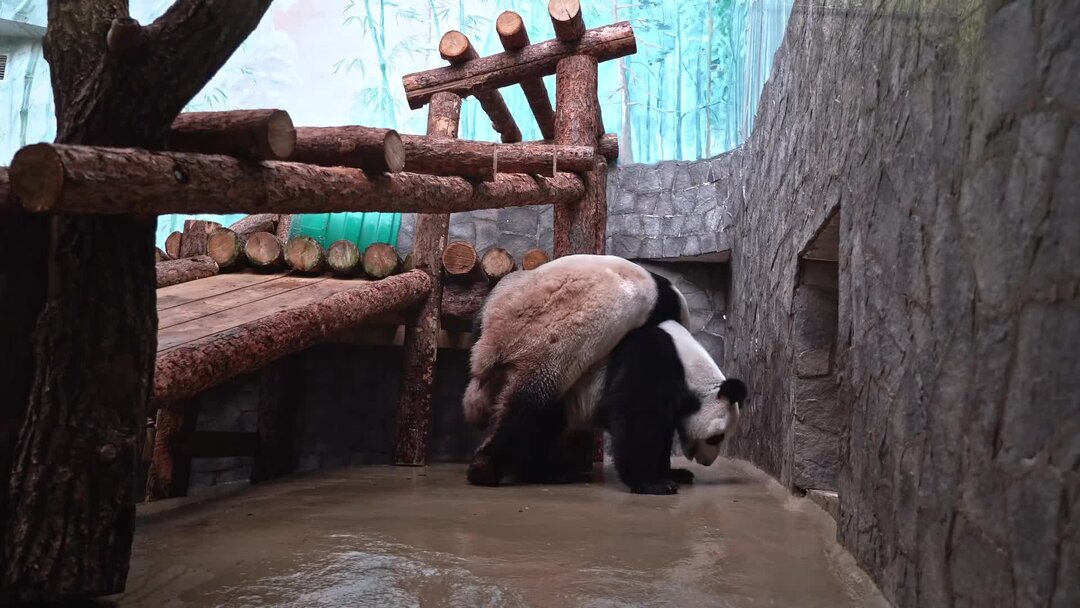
[(539, 332)]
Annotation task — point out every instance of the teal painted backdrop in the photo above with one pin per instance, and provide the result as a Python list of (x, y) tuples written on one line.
[(690, 92)]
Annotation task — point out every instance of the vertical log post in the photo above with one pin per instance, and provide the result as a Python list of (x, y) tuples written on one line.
[(170, 471), (275, 452), (513, 36), (579, 227), (422, 338)]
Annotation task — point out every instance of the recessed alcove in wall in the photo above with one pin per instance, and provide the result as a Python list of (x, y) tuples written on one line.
[(816, 424)]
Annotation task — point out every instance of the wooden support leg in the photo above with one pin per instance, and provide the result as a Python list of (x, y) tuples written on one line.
[(413, 423), (170, 470), (275, 452)]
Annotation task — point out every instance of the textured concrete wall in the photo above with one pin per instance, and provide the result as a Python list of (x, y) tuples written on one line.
[(947, 135)]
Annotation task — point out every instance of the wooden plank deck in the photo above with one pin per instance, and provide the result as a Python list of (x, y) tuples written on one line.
[(197, 310)]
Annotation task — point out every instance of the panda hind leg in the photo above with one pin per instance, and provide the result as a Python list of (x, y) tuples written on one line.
[(510, 433), (683, 477)]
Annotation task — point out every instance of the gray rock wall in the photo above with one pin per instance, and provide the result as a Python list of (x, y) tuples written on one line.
[(946, 134)]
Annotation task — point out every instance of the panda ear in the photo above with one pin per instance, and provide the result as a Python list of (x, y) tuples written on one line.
[(733, 390)]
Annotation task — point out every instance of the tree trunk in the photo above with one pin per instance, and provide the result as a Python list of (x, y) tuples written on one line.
[(174, 272), (576, 124), (462, 301), (275, 452), (413, 419), (506, 69), (72, 512), (170, 472)]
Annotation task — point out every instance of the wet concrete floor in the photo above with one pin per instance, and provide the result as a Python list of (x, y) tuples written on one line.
[(386, 536)]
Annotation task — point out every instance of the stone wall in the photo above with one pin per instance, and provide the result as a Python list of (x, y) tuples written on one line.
[(946, 135)]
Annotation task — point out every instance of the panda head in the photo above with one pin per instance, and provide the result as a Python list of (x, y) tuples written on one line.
[(712, 404)]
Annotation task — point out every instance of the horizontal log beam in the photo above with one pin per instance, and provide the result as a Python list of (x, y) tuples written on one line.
[(257, 134), (373, 150), (509, 68), (187, 370), (478, 159), (456, 48), (90, 180), (514, 37)]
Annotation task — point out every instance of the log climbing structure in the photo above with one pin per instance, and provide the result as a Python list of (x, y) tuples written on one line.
[(239, 299)]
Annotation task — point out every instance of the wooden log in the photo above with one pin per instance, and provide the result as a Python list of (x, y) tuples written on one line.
[(370, 149), (226, 248), (479, 160), (196, 237), (380, 261), (575, 124), (460, 261), (305, 255), (343, 258), (566, 19), (264, 251), (187, 370), (124, 35), (514, 37), (88, 180), (421, 340), (276, 449), (173, 243), (456, 48), (534, 258), (170, 468), (160, 256), (505, 69), (173, 272), (462, 301), (497, 263), (284, 227), (607, 146), (258, 222), (252, 134), (408, 263)]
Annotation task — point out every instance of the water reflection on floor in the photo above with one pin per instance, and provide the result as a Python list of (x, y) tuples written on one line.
[(384, 536)]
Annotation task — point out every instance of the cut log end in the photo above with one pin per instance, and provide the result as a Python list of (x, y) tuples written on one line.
[(567, 20), (304, 255), (224, 247), (409, 263), (264, 250), (459, 259), (534, 258), (280, 136), (343, 258), (511, 30), (394, 151), (37, 177), (173, 243), (380, 261), (497, 263), (456, 48)]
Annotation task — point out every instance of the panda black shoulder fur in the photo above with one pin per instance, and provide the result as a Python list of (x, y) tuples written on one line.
[(539, 332)]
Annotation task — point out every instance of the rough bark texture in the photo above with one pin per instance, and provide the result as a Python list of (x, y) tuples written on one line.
[(534, 258), (305, 255), (187, 370), (505, 69), (173, 243), (514, 37), (173, 272), (160, 256), (946, 135), (497, 263), (343, 258), (575, 124), (566, 19), (73, 179), (460, 261), (70, 527), (196, 239), (276, 451), (607, 146), (259, 222), (479, 160), (284, 227), (255, 134), (370, 149), (170, 469), (413, 420), (264, 251), (456, 48), (226, 248), (461, 301), (380, 260)]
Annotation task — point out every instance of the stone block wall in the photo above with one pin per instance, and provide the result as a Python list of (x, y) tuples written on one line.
[(946, 135)]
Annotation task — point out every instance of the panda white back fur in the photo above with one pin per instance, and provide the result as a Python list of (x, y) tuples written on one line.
[(541, 330)]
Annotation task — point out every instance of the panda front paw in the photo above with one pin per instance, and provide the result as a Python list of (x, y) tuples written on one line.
[(660, 488), (682, 477), (482, 473)]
